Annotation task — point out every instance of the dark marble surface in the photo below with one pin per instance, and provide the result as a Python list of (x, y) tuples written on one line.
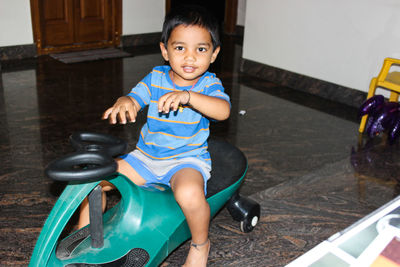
[(17, 52), (324, 89), (140, 39), (308, 168), (28, 51)]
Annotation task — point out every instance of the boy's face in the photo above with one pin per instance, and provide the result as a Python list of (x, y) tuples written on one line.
[(189, 52)]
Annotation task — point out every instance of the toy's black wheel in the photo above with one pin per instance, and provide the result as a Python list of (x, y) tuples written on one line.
[(248, 224), (96, 142), (82, 166), (244, 210)]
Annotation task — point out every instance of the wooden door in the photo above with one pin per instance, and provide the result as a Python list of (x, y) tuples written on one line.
[(65, 25)]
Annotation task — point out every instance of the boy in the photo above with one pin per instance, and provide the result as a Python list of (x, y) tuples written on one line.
[(182, 97)]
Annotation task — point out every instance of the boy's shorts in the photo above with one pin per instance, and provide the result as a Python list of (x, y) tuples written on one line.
[(161, 171)]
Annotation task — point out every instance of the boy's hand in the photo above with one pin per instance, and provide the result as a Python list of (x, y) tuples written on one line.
[(125, 108), (172, 100)]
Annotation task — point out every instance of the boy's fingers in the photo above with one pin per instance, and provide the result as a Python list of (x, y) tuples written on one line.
[(177, 101), (132, 114), (167, 105), (121, 111), (164, 103), (113, 116), (170, 101), (161, 102), (122, 115), (107, 113), (175, 105), (170, 104)]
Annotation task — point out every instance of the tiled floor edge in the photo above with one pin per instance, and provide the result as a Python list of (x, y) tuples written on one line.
[(16, 52), (324, 89), (140, 39)]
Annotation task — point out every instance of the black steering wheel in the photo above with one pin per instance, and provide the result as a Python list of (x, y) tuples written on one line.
[(92, 161), (95, 142)]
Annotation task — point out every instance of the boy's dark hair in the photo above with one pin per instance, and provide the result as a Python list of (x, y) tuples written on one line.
[(190, 15)]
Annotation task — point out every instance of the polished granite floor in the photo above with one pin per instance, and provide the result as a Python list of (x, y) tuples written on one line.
[(308, 168)]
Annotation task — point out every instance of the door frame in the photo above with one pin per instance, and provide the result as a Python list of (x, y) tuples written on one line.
[(38, 31), (231, 7)]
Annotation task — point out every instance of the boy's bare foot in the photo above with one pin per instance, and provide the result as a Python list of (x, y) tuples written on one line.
[(198, 255)]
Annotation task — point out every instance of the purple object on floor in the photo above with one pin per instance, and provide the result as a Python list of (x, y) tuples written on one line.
[(384, 119), (371, 105), (394, 132)]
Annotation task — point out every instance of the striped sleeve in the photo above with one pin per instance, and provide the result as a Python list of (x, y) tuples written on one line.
[(214, 88), (142, 91)]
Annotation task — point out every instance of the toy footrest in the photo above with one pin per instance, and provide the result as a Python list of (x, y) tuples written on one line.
[(136, 257), (67, 245)]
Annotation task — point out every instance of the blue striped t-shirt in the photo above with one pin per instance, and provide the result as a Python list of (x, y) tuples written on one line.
[(177, 134)]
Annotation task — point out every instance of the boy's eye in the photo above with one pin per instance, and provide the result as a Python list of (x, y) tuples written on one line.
[(202, 49), (179, 48)]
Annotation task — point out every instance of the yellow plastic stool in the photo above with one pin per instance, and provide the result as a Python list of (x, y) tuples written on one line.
[(387, 80)]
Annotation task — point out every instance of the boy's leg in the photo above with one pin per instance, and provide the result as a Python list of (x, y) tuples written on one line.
[(84, 209), (188, 187), (123, 168)]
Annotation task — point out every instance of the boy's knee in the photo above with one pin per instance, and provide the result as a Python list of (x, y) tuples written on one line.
[(189, 196), (106, 186)]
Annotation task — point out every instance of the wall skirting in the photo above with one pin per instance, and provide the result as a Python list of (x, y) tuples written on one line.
[(140, 39), (327, 90), (17, 52), (29, 51)]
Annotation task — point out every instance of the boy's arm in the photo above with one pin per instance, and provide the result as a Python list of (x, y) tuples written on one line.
[(210, 106), (124, 109)]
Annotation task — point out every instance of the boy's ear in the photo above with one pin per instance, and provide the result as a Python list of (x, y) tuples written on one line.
[(215, 54), (164, 51)]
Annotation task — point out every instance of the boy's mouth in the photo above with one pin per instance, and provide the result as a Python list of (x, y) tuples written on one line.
[(189, 69)]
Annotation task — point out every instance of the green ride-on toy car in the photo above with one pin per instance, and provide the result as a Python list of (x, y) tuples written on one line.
[(147, 224)]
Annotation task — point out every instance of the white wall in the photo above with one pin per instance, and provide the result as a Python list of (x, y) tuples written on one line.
[(241, 12), (339, 41), (138, 17), (15, 22)]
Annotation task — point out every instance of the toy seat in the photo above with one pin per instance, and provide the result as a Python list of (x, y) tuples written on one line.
[(387, 80), (229, 164)]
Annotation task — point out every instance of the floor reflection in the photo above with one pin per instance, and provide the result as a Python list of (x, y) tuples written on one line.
[(307, 167)]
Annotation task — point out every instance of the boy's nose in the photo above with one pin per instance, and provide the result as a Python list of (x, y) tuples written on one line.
[(190, 56)]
